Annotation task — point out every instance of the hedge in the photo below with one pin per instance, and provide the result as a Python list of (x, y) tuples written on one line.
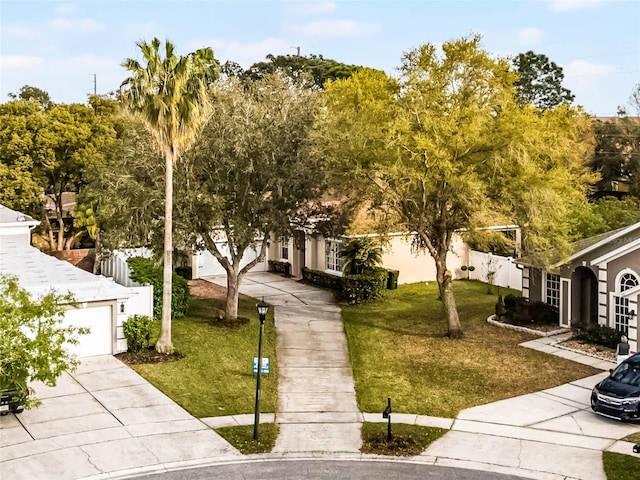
[(353, 289)]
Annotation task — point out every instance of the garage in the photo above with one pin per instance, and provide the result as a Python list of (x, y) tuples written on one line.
[(207, 265), (98, 319)]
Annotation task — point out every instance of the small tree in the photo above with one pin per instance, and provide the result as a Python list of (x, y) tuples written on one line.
[(360, 255), (32, 344)]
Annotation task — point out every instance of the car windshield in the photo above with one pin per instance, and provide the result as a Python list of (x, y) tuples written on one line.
[(627, 373)]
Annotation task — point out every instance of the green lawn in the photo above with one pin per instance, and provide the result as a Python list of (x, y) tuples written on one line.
[(398, 349), (621, 467), (215, 376)]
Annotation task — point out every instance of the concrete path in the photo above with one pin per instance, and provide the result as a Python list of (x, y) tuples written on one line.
[(317, 411), (104, 418)]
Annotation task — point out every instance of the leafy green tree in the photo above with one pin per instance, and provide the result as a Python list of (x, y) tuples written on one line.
[(32, 344), (539, 81), (298, 67), (27, 92), (254, 173), (447, 147), (617, 156), (606, 214), (47, 153), (360, 255), (170, 94)]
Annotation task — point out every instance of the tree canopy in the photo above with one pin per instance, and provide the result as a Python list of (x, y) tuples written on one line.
[(27, 92), (251, 173), (299, 68), (49, 152), (447, 147), (539, 81)]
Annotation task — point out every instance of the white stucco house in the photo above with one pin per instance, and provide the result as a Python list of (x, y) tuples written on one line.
[(102, 304)]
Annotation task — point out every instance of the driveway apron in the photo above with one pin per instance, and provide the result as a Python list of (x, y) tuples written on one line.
[(317, 410)]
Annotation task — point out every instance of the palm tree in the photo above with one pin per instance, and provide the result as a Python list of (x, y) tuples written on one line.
[(170, 94), (360, 255)]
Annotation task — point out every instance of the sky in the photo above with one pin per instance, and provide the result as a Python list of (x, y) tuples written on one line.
[(64, 47)]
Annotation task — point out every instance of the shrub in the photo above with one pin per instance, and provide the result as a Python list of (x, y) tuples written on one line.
[(367, 286), (146, 272), (597, 334), (352, 289), (280, 267), (520, 311), (137, 331)]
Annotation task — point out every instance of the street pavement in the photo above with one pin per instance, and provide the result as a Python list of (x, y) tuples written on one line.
[(105, 421)]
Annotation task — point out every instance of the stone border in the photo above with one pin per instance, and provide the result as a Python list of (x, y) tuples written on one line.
[(492, 321)]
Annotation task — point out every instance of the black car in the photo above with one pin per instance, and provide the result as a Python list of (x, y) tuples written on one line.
[(618, 395), (12, 400)]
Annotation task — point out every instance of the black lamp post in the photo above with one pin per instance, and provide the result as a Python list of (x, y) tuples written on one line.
[(263, 309)]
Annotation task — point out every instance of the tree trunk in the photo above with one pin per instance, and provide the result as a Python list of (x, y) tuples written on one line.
[(446, 294), (233, 291), (164, 343)]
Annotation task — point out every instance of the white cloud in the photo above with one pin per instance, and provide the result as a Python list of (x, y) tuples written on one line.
[(579, 68), (312, 8), (571, 5), (143, 30), (336, 28), (81, 24), (65, 8), (248, 54), (20, 31), (529, 36), (20, 62)]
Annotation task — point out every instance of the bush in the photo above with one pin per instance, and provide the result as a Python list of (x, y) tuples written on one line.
[(520, 311), (137, 331), (366, 286), (280, 267), (146, 272), (352, 289), (597, 334)]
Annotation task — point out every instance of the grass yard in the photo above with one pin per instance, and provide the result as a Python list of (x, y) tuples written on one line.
[(215, 377), (406, 440), (241, 437), (620, 467), (398, 349)]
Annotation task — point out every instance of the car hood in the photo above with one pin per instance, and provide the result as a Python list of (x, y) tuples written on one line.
[(610, 387)]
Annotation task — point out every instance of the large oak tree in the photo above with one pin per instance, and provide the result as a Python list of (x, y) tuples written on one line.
[(447, 146), (251, 173)]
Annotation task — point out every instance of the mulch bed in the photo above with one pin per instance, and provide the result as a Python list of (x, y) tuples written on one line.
[(147, 356)]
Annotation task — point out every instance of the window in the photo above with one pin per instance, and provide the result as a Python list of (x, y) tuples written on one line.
[(284, 253), (334, 261), (621, 312), (553, 289), (628, 281)]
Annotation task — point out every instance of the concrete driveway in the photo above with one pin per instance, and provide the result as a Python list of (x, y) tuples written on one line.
[(104, 418)]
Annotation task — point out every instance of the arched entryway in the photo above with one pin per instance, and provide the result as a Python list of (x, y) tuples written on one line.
[(584, 297)]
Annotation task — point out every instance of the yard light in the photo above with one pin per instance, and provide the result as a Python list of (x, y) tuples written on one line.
[(263, 309)]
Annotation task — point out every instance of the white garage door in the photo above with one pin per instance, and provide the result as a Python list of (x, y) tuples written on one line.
[(208, 265), (100, 338)]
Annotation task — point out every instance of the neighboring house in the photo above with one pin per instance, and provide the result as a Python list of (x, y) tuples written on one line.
[(598, 284), (102, 304), (319, 253)]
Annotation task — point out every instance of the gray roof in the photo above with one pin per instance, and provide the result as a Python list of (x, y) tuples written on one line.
[(8, 216), (40, 273), (581, 247)]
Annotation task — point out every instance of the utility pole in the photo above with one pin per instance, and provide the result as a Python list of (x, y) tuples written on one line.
[(298, 50), (95, 84)]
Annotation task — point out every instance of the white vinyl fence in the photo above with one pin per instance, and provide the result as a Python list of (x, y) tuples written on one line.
[(505, 273), (116, 265)]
